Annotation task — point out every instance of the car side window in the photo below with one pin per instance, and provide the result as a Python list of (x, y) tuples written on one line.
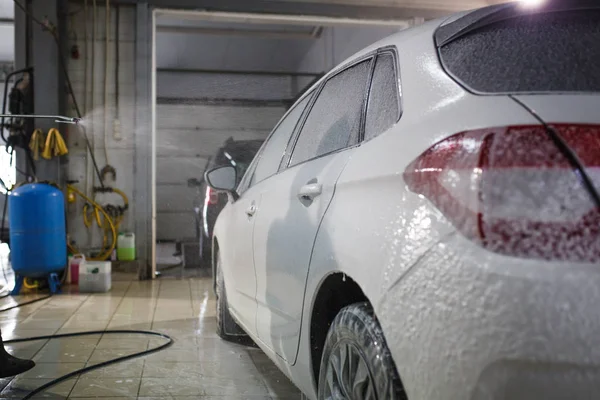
[(383, 109), (334, 121), (274, 149)]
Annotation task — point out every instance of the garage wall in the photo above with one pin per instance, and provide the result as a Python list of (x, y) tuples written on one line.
[(2, 196), (234, 51), (187, 135), (121, 153), (189, 86), (198, 110), (191, 127), (7, 54), (338, 43)]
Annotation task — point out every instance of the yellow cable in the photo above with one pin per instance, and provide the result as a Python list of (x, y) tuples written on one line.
[(123, 195), (30, 286), (86, 220), (106, 255), (98, 219)]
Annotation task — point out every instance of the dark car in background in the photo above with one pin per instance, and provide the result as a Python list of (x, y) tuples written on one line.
[(209, 203)]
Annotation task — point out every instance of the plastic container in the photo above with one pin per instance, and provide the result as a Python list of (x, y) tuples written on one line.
[(95, 277), (75, 264), (126, 246), (38, 236)]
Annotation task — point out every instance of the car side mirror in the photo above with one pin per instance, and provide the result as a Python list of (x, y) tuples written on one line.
[(222, 179)]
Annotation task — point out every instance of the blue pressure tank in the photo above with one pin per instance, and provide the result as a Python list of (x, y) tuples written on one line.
[(38, 237)]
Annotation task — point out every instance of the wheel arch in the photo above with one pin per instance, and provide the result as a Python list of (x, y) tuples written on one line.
[(336, 291)]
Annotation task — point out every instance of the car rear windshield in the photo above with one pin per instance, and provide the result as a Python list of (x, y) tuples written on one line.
[(544, 52)]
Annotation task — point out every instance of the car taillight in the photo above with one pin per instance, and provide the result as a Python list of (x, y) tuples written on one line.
[(513, 192), (212, 196)]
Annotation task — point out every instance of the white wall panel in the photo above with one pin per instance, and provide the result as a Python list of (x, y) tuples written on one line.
[(121, 152), (223, 86), (239, 52), (7, 42), (187, 135), (339, 43), (200, 142), (216, 117), (173, 198), (176, 170), (175, 225)]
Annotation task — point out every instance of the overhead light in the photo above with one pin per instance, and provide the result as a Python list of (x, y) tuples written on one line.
[(532, 3)]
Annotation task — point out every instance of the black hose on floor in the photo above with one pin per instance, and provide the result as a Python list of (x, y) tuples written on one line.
[(81, 371), (97, 366), (22, 304)]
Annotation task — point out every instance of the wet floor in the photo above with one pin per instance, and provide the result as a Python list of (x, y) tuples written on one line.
[(198, 366)]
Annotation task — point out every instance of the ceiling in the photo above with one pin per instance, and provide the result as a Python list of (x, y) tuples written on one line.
[(445, 6), (210, 45), (187, 41), (367, 9), (268, 35)]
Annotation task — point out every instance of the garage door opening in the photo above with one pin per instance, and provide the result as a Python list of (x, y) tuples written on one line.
[(221, 83)]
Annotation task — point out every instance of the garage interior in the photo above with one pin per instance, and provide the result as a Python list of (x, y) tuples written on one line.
[(237, 91), (161, 86)]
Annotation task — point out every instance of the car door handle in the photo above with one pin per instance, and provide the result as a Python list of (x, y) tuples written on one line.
[(250, 211), (310, 191)]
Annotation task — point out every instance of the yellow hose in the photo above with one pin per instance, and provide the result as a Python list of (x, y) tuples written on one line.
[(30, 286), (86, 220), (110, 226), (123, 195), (97, 214)]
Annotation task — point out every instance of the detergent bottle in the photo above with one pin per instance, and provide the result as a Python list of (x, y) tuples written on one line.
[(76, 262)]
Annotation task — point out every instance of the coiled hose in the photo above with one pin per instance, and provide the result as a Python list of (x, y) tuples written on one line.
[(169, 342), (108, 224)]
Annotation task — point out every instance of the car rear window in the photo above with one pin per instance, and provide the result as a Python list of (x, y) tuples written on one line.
[(543, 52)]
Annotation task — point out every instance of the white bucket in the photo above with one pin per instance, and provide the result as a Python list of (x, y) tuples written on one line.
[(95, 277)]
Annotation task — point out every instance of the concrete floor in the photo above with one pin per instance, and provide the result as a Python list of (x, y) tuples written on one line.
[(198, 366)]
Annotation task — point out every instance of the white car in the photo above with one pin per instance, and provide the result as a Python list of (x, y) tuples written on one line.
[(425, 222)]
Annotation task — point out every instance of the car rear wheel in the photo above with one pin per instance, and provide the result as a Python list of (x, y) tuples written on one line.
[(356, 362), (227, 328)]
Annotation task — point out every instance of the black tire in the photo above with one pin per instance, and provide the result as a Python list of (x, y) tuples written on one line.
[(356, 362), (227, 328)]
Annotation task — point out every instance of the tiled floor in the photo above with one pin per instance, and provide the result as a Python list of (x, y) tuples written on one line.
[(198, 366)]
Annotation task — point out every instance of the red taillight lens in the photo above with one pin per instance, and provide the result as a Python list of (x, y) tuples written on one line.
[(512, 191), (212, 196)]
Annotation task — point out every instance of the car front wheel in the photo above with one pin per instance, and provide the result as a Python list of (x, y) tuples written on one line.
[(356, 362), (227, 328)]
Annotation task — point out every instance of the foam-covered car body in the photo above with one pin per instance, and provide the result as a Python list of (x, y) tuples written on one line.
[(450, 176)]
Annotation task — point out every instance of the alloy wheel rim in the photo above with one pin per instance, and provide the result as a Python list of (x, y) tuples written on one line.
[(348, 376)]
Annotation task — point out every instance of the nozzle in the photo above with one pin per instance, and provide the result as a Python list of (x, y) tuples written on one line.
[(57, 118), (68, 120)]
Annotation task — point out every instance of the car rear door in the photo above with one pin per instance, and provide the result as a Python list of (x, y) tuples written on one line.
[(296, 200)]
